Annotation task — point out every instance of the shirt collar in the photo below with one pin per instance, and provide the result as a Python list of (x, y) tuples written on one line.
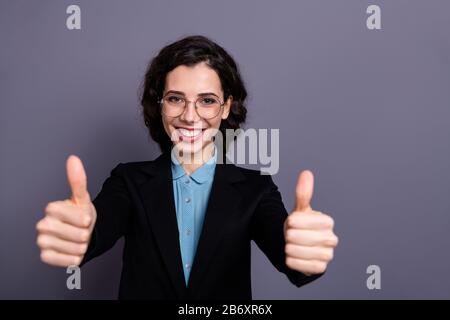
[(201, 174)]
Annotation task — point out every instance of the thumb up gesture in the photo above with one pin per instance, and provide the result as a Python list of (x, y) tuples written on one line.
[(65, 231), (310, 240)]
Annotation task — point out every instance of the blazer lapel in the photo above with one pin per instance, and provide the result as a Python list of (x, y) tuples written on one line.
[(157, 197), (223, 200)]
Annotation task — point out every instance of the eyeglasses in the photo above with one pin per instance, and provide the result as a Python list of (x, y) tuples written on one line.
[(207, 107)]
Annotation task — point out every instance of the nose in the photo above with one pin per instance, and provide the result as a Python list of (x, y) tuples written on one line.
[(190, 113)]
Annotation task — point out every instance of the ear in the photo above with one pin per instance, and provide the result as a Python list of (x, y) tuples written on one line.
[(227, 107)]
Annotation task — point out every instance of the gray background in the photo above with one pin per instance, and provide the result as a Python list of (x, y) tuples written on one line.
[(367, 111)]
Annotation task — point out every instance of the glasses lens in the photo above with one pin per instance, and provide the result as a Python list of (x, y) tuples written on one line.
[(208, 106), (173, 105)]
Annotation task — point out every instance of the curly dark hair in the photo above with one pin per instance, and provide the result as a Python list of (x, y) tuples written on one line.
[(190, 51)]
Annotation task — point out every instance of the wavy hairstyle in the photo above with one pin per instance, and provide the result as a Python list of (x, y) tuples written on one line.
[(190, 51)]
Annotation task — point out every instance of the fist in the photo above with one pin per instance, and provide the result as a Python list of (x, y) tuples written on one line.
[(310, 240), (65, 231)]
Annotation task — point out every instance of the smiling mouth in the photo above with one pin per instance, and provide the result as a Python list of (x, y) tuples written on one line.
[(190, 134)]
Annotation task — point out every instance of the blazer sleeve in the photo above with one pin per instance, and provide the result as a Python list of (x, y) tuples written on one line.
[(113, 206), (267, 232)]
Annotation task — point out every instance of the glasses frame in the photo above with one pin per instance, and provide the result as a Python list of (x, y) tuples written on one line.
[(186, 102)]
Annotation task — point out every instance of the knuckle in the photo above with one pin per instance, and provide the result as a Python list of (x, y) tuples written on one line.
[(331, 222), (289, 262), (327, 255), (50, 207), (40, 225), (41, 241), (331, 255), (44, 256), (331, 240), (334, 240), (288, 249), (84, 235), (82, 248), (86, 219), (289, 235), (328, 221), (319, 267), (77, 260), (290, 221), (294, 220), (44, 225)]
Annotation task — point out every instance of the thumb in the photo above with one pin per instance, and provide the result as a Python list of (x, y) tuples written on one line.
[(77, 180), (304, 190)]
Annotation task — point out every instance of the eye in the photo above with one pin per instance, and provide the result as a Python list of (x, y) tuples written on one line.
[(175, 99), (209, 101)]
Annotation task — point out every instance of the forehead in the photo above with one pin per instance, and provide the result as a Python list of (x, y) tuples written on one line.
[(193, 80)]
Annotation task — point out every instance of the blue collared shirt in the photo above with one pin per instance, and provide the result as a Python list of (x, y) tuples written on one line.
[(191, 194)]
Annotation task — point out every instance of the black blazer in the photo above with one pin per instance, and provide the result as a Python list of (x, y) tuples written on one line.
[(137, 202)]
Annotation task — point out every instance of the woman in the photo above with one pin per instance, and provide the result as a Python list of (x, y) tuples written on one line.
[(187, 218)]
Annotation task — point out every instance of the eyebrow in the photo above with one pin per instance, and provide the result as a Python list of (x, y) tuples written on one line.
[(200, 94)]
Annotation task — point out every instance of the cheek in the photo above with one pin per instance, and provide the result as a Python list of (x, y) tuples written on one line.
[(215, 123), (167, 125)]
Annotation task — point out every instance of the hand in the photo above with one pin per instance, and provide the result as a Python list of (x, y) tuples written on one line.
[(310, 240), (65, 231)]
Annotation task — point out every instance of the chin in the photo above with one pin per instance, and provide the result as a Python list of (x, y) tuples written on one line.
[(187, 148)]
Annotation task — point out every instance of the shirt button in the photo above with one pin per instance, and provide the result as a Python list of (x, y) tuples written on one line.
[(187, 266), (188, 200), (187, 181), (188, 232)]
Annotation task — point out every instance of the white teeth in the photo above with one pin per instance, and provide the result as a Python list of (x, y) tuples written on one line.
[(190, 133)]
